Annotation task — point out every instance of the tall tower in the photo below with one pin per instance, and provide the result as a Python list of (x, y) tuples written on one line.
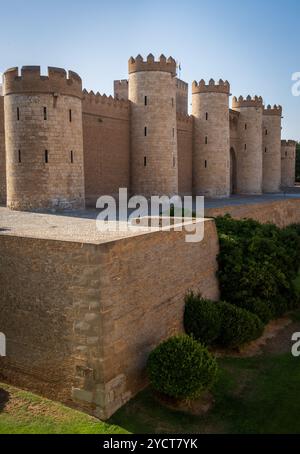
[(288, 163), (271, 149), (44, 141), (152, 92), (211, 165), (249, 153)]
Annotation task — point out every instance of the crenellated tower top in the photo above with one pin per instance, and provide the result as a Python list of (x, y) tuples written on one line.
[(150, 64), (211, 87), (256, 101), (31, 81), (275, 110)]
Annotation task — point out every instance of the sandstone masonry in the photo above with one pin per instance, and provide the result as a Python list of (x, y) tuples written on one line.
[(61, 147)]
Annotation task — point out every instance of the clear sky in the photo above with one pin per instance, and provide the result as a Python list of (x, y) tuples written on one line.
[(252, 43)]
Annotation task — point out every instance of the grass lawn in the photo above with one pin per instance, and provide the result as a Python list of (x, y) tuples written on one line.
[(260, 394), (253, 395), (22, 412)]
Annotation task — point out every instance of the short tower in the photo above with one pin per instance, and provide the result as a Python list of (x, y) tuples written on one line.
[(211, 165), (152, 92), (288, 163), (271, 148), (44, 141), (249, 152)]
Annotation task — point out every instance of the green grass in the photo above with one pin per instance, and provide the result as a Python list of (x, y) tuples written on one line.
[(252, 395), (22, 412)]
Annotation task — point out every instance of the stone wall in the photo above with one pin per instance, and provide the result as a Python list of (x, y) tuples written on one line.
[(87, 340), (271, 149), (185, 153), (106, 146), (279, 212), (2, 154), (288, 163)]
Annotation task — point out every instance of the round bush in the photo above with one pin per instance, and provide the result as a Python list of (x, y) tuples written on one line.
[(238, 326), (263, 309), (181, 367), (201, 319)]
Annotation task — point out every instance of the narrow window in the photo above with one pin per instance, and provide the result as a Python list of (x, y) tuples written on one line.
[(245, 147), (45, 113), (46, 156), (145, 131), (205, 163), (286, 153), (70, 115), (172, 102), (174, 161), (19, 156), (72, 156), (145, 101), (206, 140), (245, 125), (18, 113), (206, 116), (145, 161), (265, 149), (173, 132), (266, 132)]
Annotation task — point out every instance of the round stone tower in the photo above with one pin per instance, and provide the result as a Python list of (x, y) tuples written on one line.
[(152, 92), (44, 140), (249, 153), (271, 148), (211, 160), (288, 163)]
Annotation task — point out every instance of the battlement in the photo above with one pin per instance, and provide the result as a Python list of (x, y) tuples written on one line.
[(163, 64), (184, 118), (275, 110), (98, 104), (256, 101), (211, 87), (288, 143), (31, 81), (181, 85), (123, 83)]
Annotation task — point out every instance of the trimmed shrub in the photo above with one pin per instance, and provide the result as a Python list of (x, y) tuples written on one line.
[(258, 266), (181, 367), (238, 326), (201, 318)]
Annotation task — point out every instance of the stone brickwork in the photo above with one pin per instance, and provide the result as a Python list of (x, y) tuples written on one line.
[(2, 154), (152, 93), (279, 212), (140, 139), (185, 153), (182, 96), (271, 149), (249, 152), (288, 163), (211, 160), (106, 143), (43, 135), (87, 341)]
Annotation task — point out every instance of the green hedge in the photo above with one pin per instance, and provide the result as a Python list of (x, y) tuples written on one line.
[(238, 326), (202, 318), (258, 265), (181, 367)]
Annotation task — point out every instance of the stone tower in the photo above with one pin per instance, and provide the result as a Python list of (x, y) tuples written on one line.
[(288, 163), (152, 92), (44, 141), (211, 164), (249, 152), (271, 149)]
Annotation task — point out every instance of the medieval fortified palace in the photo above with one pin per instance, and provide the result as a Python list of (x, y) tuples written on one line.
[(62, 147)]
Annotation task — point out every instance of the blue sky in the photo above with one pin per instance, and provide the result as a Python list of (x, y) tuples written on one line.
[(254, 44)]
